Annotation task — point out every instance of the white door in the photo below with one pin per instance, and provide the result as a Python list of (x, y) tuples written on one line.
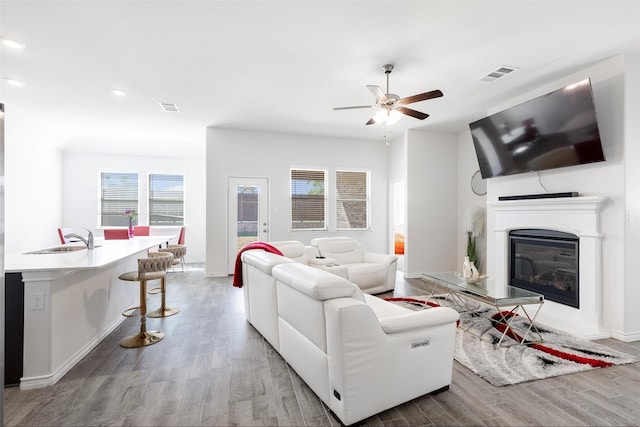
[(248, 214)]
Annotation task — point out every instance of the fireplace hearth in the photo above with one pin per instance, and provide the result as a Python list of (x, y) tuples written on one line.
[(546, 261)]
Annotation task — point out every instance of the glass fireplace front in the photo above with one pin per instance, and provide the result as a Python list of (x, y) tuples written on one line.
[(547, 262)]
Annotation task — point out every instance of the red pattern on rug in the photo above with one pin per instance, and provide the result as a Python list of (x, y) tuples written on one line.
[(502, 327)]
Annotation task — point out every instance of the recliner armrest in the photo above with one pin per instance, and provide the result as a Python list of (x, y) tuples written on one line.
[(377, 258), (418, 319), (314, 262)]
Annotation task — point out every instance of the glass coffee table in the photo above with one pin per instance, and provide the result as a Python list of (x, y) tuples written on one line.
[(497, 295)]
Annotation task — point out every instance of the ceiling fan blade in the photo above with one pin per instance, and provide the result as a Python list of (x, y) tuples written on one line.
[(413, 113), (371, 122), (420, 97), (378, 93), (354, 107)]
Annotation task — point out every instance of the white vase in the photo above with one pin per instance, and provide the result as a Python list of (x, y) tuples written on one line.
[(474, 271), (466, 268)]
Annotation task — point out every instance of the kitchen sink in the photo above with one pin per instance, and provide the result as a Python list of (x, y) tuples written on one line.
[(61, 250)]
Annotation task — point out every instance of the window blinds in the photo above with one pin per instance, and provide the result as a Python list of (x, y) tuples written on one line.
[(352, 201), (119, 192), (308, 202), (166, 199)]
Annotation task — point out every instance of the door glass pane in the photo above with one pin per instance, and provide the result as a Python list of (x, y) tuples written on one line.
[(248, 196)]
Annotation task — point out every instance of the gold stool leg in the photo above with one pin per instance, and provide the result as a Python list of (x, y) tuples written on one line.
[(144, 337), (163, 311)]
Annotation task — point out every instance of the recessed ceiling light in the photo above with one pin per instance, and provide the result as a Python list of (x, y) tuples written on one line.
[(14, 82), (118, 92), (12, 44)]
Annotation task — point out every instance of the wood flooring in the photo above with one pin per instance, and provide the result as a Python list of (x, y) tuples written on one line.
[(213, 368)]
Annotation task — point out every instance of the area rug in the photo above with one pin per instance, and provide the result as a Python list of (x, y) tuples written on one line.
[(558, 354)]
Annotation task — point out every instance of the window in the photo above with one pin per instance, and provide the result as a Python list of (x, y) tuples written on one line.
[(166, 199), (352, 200), (308, 201), (119, 192)]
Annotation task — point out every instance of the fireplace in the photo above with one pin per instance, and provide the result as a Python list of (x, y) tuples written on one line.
[(546, 261), (579, 216)]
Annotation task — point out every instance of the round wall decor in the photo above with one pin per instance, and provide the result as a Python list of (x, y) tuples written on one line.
[(478, 184)]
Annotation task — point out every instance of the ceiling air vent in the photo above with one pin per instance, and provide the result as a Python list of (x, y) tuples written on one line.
[(497, 73), (172, 108)]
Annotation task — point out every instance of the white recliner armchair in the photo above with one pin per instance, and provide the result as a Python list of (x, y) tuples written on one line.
[(372, 272)]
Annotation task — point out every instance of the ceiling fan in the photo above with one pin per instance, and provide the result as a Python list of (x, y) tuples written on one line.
[(391, 106)]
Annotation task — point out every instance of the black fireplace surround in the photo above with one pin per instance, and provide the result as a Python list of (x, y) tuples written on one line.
[(547, 262)]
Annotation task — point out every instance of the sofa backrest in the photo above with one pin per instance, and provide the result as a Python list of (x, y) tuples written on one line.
[(345, 250), (302, 291), (262, 260), (295, 250), (259, 289)]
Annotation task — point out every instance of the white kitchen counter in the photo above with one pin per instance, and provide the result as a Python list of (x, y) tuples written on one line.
[(109, 251), (73, 300)]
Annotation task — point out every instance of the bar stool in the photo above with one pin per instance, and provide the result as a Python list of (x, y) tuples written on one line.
[(177, 252), (152, 268)]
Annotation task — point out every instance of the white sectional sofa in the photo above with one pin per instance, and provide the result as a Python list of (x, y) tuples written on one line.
[(360, 354)]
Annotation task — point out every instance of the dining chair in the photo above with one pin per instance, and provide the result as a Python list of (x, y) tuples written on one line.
[(116, 233), (182, 235), (63, 232), (141, 230)]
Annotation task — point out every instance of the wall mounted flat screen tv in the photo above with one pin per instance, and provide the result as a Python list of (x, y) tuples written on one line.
[(555, 130)]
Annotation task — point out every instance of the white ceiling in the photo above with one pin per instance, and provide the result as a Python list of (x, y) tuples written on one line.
[(283, 66)]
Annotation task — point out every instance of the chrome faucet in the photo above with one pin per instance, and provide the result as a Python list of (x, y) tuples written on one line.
[(88, 241)]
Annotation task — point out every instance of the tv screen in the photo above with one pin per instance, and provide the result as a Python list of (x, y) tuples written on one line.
[(555, 130)]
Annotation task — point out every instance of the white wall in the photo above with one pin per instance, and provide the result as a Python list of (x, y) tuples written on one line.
[(432, 182), (81, 192), (631, 296), (467, 200), (600, 179), (32, 183), (233, 153)]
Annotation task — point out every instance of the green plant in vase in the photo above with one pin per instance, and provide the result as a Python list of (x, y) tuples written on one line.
[(474, 227), (472, 248)]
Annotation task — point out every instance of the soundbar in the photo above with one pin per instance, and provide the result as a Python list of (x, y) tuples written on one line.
[(540, 196)]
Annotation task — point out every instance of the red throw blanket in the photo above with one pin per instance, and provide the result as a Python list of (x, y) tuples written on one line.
[(237, 275)]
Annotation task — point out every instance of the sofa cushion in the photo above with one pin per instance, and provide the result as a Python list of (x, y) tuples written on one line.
[(366, 274), (315, 283)]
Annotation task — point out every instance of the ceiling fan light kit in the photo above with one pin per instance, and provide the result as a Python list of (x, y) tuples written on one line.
[(391, 106)]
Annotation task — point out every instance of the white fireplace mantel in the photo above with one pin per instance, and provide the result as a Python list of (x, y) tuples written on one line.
[(576, 215)]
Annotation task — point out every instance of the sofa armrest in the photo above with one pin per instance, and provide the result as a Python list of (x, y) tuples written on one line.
[(418, 319), (378, 258), (322, 261)]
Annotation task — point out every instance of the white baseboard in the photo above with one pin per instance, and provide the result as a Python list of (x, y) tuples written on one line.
[(215, 274), (625, 336)]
